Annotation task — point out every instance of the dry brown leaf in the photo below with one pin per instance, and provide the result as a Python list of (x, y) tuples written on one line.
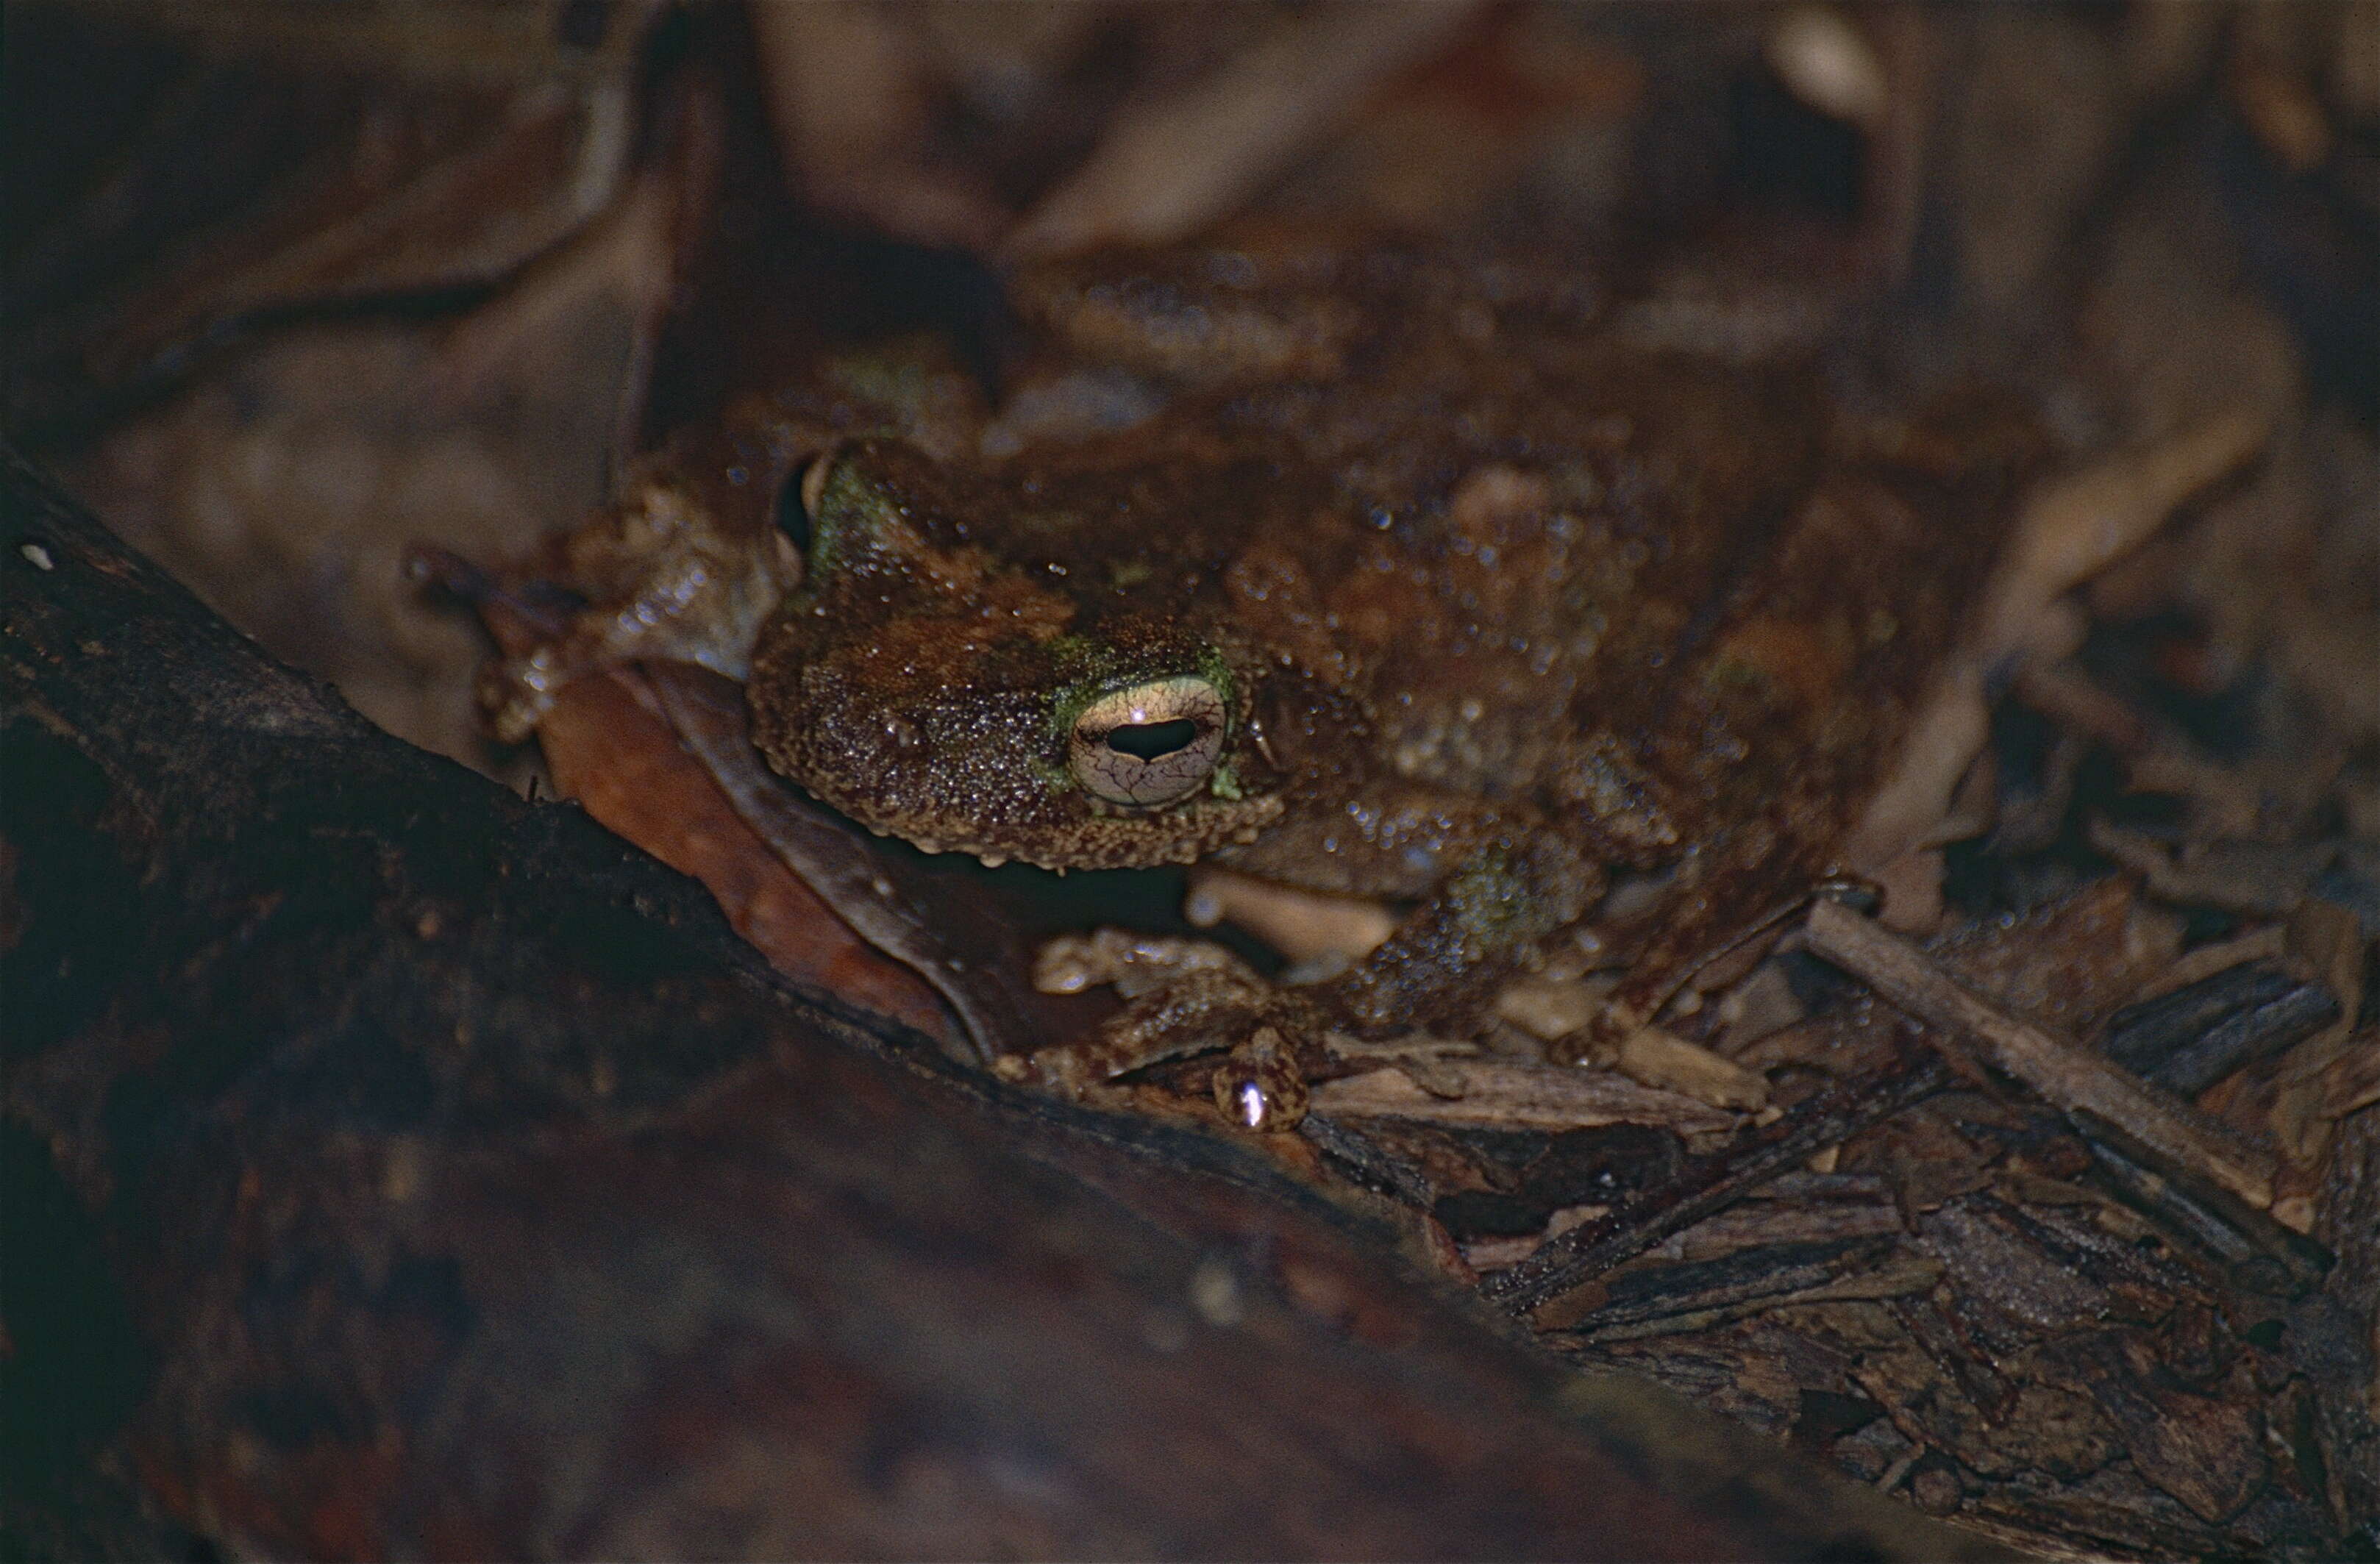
[(2071, 530), (2261, 944), (1166, 168), (618, 757), (848, 94)]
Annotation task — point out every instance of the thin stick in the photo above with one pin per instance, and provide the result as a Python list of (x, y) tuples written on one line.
[(2066, 1076)]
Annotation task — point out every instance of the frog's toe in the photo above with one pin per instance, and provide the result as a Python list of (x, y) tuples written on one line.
[(1064, 1071), (514, 699), (1259, 1086)]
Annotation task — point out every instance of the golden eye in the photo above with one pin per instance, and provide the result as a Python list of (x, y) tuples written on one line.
[(1149, 745)]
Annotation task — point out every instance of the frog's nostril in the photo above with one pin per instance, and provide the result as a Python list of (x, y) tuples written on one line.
[(1147, 740)]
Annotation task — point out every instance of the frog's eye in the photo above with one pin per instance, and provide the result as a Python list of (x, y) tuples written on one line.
[(1148, 745)]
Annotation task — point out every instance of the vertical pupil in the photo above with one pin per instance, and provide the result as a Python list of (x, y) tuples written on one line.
[(1147, 740)]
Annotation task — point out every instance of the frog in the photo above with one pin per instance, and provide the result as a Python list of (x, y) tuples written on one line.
[(1415, 579)]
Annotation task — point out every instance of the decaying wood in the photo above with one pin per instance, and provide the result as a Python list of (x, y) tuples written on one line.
[(1695, 1294), (1707, 1182), (473, 1189), (1462, 1091), (2188, 1040), (1794, 1208), (2263, 1256), (2064, 1076)]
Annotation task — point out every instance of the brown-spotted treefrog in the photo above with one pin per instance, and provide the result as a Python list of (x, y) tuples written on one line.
[(1374, 574)]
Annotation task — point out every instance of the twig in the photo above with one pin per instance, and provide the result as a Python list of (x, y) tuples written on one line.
[(1894, 1278), (2067, 1077), (2264, 1256)]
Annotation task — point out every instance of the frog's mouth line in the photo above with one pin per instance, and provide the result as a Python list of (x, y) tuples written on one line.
[(1113, 837)]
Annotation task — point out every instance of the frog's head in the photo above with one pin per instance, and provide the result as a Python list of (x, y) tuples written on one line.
[(933, 692)]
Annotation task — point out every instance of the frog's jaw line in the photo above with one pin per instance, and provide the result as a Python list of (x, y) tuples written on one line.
[(1107, 842)]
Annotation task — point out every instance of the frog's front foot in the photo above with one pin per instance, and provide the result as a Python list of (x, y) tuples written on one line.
[(1445, 964), (1183, 997), (517, 693), (514, 693), (1599, 1044), (1259, 1084)]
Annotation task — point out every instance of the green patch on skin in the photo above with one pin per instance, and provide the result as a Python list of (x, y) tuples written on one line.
[(1225, 783), (1494, 901), (1726, 674), (1073, 649), (857, 517), (1071, 699), (1217, 671)]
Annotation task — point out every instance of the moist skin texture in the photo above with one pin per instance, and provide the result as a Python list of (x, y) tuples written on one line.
[(1416, 583)]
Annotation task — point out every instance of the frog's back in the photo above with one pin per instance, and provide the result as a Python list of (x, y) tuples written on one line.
[(1557, 570), (1460, 537)]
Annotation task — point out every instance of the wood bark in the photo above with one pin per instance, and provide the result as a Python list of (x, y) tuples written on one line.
[(399, 1167)]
